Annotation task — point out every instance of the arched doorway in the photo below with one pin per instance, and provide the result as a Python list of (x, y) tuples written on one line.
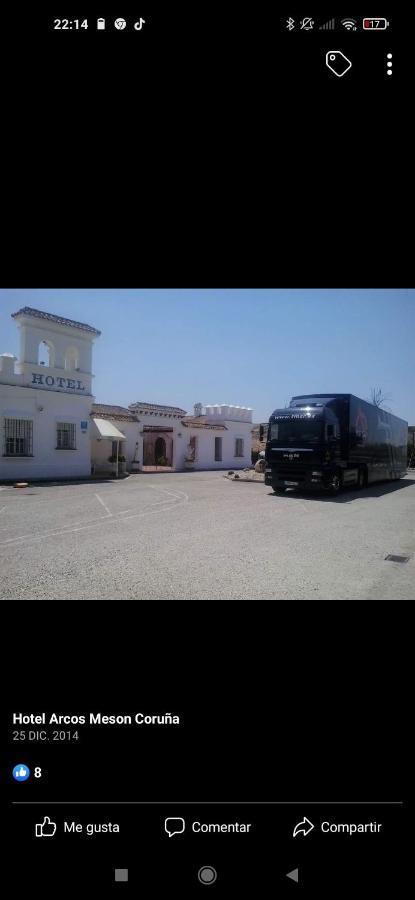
[(157, 446), (160, 452)]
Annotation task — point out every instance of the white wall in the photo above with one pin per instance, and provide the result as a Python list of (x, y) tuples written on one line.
[(205, 447), (102, 449), (205, 437), (47, 461), (222, 412), (163, 420), (34, 330)]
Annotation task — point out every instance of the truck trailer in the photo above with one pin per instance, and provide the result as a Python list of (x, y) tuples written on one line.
[(329, 441)]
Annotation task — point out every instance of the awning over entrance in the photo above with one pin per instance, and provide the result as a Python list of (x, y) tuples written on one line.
[(108, 430)]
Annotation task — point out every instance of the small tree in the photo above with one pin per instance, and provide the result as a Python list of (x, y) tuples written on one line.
[(378, 398)]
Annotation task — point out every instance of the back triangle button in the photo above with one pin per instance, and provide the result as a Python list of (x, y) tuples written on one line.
[(293, 875)]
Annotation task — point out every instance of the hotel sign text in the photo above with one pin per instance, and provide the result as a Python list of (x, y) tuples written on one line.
[(50, 381)]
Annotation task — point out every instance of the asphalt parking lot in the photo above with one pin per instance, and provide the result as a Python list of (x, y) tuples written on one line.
[(199, 536)]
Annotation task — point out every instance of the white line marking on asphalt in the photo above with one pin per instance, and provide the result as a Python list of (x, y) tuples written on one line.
[(28, 537), (163, 490), (109, 513), (3, 508), (161, 506), (74, 527)]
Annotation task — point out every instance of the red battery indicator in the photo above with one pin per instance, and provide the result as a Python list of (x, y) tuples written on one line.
[(375, 24)]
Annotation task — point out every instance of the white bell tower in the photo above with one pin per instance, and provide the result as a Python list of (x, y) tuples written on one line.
[(55, 353)]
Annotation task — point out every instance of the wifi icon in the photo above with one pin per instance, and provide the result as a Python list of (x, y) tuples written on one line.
[(349, 24)]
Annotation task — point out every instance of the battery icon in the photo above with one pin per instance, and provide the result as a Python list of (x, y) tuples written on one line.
[(100, 24), (375, 24)]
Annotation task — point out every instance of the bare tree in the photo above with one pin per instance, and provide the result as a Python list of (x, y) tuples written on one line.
[(378, 398)]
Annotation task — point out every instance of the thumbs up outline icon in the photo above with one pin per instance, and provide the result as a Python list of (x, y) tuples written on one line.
[(45, 828)]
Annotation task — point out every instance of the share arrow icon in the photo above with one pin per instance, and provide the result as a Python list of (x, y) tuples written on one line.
[(304, 827)]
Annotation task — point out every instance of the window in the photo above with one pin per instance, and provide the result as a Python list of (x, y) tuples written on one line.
[(218, 449), (71, 359), (46, 354), (192, 447), (332, 432), (292, 431), (66, 433), (18, 437), (239, 446)]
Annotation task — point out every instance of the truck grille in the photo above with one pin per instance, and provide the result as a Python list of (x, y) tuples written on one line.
[(291, 473)]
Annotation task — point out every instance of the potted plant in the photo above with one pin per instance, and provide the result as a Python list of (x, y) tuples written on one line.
[(121, 463)]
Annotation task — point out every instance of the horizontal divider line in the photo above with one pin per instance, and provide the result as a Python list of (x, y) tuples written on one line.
[(207, 803)]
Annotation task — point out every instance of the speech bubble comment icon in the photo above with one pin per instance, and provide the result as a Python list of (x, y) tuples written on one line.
[(174, 826)]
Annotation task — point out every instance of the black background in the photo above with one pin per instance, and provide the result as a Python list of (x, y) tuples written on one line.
[(209, 158), (211, 148), (295, 702)]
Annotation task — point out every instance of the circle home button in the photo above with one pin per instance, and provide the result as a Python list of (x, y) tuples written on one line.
[(207, 875)]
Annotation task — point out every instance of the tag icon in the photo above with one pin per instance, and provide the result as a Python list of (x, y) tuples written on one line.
[(338, 63)]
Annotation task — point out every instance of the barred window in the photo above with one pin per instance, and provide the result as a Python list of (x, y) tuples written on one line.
[(66, 432), (239, 446), (18, 437)]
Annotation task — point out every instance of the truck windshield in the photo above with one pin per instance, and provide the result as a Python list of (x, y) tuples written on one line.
[(290, 431)]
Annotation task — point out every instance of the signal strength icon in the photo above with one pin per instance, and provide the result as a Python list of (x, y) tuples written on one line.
[(328, 26), (349, 24)]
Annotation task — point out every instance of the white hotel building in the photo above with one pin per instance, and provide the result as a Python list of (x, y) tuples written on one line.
[(52, 429)]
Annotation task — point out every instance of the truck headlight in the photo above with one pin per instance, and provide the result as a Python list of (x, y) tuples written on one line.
[(317, 474)]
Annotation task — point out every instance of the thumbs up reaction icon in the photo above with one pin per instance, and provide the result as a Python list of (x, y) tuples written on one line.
[(45, 828), (21, 772)]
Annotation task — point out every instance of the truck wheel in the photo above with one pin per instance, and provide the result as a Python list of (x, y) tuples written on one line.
[(335, 484)]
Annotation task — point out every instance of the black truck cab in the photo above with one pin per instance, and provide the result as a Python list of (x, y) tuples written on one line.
[(327, 441)]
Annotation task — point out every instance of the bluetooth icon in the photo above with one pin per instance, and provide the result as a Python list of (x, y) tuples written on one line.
[(290, 24)]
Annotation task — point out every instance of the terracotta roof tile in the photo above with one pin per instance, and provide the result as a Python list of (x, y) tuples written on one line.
[(201, 422), (157, 407), (106, 411), (60, 320)]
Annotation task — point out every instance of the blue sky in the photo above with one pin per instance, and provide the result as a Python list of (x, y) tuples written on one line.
[(248, 347)]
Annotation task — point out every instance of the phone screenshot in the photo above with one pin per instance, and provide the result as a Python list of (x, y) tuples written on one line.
[(207, 467)]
